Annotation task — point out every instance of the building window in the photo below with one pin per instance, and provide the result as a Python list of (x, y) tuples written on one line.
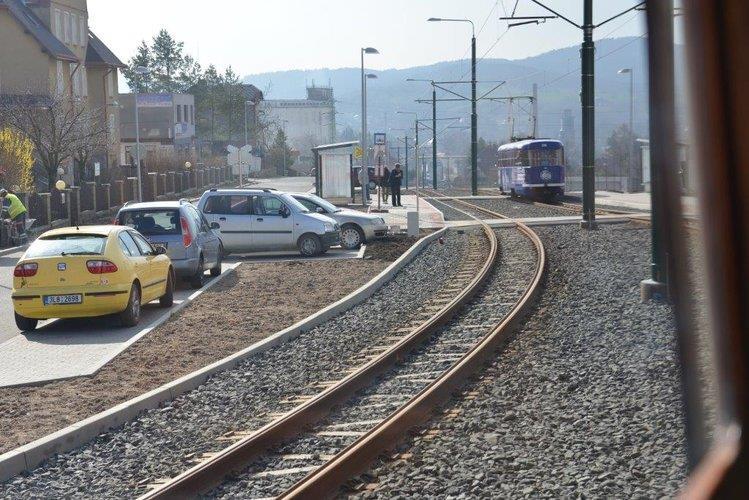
[(192, 114), (74, 28), (84, 81), (66, 27), (179, 113), (60, 78), (112, 129), (110, 85), (82, 24), (58, 24)]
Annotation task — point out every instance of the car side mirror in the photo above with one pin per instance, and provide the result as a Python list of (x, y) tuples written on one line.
[(320, 210), (284, 211), (159, 250), (215, 225)]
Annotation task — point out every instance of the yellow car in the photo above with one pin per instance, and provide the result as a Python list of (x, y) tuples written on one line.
[(89, 271)]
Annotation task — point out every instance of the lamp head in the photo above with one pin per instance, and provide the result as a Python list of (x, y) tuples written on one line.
[(370, 50), (434, 19), (624, 71)]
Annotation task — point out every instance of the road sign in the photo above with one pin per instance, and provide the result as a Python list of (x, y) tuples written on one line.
[(358, 153), (380, 139), (236, 156)]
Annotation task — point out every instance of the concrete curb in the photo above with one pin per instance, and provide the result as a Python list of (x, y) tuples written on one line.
[(6, 251), (29, 456)]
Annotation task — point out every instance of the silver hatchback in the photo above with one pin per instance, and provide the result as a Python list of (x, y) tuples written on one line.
[(356, 227), (179, 227)]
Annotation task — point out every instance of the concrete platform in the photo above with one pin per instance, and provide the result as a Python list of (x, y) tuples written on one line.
[(429, 216), (635, 201), (62, 349)]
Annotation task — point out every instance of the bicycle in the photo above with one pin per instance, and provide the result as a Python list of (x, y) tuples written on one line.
[(16, 230)]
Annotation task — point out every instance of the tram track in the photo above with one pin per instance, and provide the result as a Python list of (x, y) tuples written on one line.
[(316, 447)]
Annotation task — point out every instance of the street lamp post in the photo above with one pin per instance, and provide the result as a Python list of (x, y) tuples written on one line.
[(434, 127), (474, 115), (284, 122), (364, 160), (246, 134), (140, 70), (631, 73)]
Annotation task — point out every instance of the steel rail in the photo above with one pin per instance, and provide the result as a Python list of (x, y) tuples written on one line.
[(212, 472), (354, 460)]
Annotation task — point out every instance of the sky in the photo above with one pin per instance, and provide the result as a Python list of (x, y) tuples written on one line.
[(257, 36)]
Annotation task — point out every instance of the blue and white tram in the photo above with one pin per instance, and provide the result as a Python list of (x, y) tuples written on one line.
[(533, 168)]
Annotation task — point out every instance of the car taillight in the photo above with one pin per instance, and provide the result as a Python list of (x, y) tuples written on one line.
[(101, 267), (186, 234), (25, 270)]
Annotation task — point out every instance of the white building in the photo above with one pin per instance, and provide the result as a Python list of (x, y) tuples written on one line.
[(307, 122)]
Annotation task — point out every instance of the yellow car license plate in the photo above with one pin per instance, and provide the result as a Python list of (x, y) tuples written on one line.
[(53, 300)]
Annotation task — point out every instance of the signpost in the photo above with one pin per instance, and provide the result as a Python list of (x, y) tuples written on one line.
[(237, 158)]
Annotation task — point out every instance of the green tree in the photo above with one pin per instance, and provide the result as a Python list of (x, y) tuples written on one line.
[(168, 62), (487, 162), (142, 57), (279, 157), (621, 149), (232, 105)]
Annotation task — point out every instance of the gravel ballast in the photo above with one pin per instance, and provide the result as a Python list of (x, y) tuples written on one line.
[(164, 442), (503, 288), (584, 401)]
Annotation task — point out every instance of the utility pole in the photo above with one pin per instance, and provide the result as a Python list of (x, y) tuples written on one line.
[(434, 137), (588, 110), (587, 94), (474, 122), (405, 140)]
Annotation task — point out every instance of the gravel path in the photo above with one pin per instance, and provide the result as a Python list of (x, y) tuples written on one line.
[(583, 402), (392, 390), (163, 442)]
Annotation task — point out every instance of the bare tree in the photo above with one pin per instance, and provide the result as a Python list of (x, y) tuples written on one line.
[(61, 128)]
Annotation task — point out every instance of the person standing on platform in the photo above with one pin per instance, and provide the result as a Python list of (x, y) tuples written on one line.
[(385, 184), (396, 177)]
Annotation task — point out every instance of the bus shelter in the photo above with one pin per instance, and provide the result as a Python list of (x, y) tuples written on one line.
[(333, 170)]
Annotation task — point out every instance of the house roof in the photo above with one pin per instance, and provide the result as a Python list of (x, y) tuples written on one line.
[(252, 93), (98, 53), (36, 28)]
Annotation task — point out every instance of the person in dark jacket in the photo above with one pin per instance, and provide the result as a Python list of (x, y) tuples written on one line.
[(396, 176), (385, 184)]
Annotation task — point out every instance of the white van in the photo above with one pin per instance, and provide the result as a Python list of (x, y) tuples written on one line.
[(264, 220)]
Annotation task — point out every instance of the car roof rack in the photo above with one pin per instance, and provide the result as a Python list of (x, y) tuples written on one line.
[(268, 190), (183, 201)]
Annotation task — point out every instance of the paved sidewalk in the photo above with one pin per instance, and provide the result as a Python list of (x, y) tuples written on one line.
[(61, 349)]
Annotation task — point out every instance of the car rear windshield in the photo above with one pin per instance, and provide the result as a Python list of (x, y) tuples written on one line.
[(152, 222), (67, 244)]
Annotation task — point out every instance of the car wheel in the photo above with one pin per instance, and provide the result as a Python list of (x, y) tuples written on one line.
[(167, 299), (131, 315), (216, 270), (25, 324), (196, 281), (351, 237), (309, 245)]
